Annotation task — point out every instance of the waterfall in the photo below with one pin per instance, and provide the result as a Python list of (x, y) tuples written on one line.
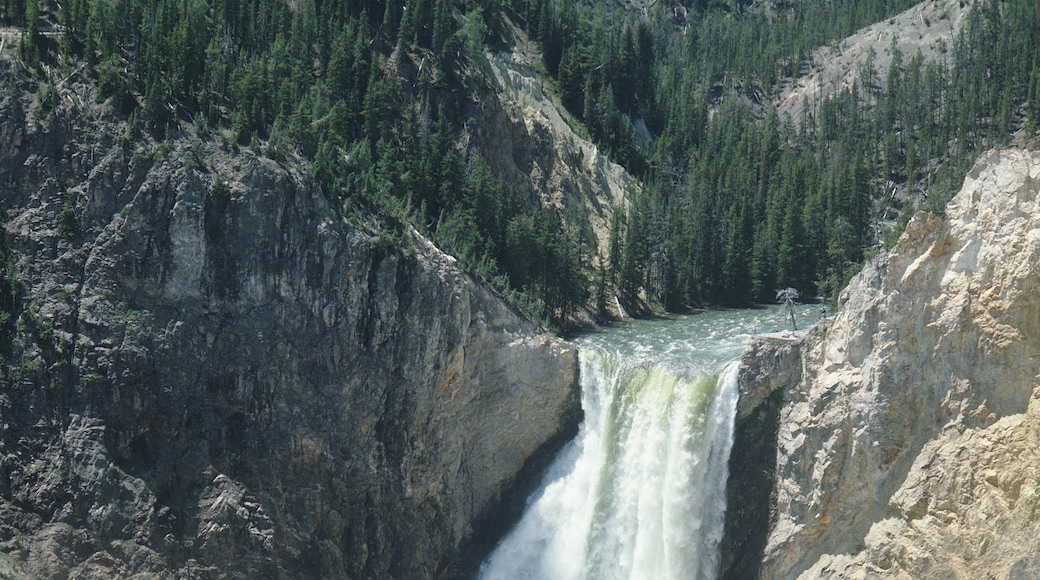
[(641, 492)]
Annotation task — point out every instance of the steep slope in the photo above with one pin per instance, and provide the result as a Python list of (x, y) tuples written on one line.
[(907, 442), (930, 27), (567, 173), (211, 374)]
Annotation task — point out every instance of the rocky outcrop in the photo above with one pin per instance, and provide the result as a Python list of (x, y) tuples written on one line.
[(770, 363), (908, 446), (528, 140), (214, 375)]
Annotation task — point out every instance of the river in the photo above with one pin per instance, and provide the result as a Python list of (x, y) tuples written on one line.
[(641, 491)]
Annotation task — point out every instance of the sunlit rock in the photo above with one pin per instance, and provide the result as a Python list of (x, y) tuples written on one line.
[(907, 445)]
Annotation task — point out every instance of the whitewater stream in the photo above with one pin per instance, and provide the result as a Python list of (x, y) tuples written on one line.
[(641, 492)]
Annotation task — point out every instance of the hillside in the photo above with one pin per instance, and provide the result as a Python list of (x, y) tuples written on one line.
[(930, 28), (755, 156)]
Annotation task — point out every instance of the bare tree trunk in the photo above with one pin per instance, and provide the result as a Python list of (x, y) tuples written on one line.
[(787, 298)]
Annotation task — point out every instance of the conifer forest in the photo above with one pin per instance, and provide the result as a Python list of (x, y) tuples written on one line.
[(736, 199)]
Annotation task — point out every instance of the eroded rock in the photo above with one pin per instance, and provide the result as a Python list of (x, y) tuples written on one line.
[(908, 446)]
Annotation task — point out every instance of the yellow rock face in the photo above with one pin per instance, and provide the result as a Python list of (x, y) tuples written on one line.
[(911, 446)]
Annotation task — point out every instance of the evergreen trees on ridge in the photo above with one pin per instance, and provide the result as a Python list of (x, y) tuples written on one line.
[(736, 202)]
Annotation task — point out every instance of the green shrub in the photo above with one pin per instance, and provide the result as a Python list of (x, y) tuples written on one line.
[(68, 224)]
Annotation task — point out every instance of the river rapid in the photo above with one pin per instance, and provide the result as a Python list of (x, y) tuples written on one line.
[(641, 491)]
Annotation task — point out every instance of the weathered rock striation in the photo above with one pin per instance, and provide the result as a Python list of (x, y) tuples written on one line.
[(909, 444), (213, 375)]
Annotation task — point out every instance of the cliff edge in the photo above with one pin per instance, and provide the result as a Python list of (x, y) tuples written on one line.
[(907, 432), (208, 373)]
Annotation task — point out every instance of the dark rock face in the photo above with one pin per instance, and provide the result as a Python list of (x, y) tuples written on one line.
[(752, 476), (215, 376), (768, 367)]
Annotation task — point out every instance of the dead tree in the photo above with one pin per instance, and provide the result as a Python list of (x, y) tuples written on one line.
[(787, 298)]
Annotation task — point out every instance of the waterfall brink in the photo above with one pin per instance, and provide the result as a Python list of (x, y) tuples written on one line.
[(641, 492)]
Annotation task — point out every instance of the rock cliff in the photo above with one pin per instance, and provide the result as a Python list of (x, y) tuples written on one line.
[(566, 172), (210, 374), (908, 441)]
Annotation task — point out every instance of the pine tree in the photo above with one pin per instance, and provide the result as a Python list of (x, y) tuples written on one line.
[(1033, 102), (32, 41)]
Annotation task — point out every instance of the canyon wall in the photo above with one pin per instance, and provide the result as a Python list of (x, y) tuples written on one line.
[(209, 373), (907, 428)]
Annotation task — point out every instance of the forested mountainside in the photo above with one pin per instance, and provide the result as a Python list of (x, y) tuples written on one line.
[(738, 199)]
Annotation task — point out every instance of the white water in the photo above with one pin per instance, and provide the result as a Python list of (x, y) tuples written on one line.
[(641, 491)]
